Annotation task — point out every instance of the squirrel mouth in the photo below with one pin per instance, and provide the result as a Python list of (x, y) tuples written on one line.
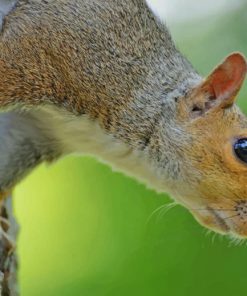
[(221, 222), (212, 219)]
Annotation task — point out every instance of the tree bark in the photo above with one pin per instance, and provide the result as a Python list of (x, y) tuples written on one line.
[(8, 258)]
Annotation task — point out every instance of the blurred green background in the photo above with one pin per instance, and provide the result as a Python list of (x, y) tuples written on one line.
[(86, 230)]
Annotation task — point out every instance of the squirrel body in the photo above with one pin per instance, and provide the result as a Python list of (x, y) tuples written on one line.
[(105, 78)]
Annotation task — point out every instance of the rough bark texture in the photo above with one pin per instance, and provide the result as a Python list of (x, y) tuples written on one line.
[(8, 259)]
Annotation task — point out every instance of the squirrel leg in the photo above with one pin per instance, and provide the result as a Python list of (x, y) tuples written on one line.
[(23, 145), (3, 195), (7, 227)]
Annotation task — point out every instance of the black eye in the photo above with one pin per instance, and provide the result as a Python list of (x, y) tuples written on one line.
[(240, 148)]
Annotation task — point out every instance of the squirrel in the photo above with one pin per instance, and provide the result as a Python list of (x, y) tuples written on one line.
[(105, 78)]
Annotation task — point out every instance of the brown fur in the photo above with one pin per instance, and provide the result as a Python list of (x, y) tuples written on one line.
[(113, 63)]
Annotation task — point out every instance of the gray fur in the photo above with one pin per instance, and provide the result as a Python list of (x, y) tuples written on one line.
[(22, 147), (111, 60)]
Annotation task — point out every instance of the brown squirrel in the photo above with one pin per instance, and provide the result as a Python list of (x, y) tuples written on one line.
[(105, 78)]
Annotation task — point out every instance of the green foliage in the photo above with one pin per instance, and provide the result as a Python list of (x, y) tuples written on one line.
[(89, 231)]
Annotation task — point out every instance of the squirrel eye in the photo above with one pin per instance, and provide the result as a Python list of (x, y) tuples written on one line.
[(240, 148)]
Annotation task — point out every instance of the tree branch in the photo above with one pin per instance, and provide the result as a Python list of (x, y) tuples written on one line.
[(8, 259)]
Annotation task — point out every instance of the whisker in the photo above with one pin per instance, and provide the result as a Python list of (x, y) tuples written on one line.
[(230, 217), (214, 235), (163, 208), (154, 212), (236, 241)]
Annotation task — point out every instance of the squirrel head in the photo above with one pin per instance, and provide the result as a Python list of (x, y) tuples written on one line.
[(217, 151)]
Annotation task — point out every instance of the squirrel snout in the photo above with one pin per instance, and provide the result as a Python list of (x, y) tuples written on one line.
[(225, 219)]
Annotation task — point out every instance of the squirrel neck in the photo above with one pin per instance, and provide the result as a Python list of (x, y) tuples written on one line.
[(132, 109), (148, 122)]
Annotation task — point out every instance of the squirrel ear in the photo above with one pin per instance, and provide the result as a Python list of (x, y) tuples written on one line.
[(220, 88)]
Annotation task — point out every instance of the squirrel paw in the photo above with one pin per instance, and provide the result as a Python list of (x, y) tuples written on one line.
[(4, 195), (8, 241), (5, 224)]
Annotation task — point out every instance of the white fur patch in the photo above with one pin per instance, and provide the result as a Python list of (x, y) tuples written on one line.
[(81, 135)]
